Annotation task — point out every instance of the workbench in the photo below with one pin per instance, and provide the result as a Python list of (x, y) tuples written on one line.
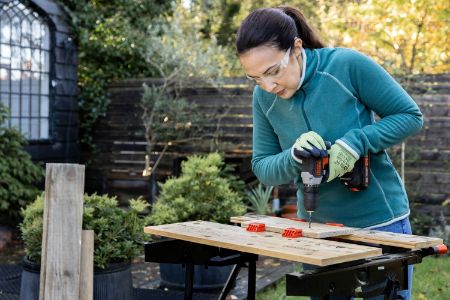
[(352, 262)]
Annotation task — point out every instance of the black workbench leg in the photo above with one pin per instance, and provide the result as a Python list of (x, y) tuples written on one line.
[(251, 292), (231, 279), (189, 281)]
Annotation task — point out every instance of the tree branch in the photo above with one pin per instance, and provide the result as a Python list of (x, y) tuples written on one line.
[(416, 42)]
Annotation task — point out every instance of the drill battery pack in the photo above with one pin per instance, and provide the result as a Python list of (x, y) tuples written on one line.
[(359, 178)]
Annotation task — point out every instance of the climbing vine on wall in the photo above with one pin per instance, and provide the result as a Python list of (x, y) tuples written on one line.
[(109, 37)]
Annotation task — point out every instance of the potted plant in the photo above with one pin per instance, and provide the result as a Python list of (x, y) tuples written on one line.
[(118, 237), (259, 197), (205, 190)]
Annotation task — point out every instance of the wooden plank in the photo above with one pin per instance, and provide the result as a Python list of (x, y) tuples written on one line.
[(61, 242), (306, 250), (408, 241), (87, 265), (317, 230), (361, 235)]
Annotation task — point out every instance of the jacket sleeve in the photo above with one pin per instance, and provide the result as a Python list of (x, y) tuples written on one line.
[(377, 90), (270, 163)]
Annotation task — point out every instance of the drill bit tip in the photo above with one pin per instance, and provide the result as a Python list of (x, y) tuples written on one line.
[(310, 213)]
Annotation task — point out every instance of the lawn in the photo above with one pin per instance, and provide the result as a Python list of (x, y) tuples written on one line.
[(431, 281)]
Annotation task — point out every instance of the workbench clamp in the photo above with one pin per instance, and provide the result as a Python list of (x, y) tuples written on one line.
[(382, 275)]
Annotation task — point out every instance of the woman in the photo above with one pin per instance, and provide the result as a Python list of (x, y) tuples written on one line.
[(307, 94)]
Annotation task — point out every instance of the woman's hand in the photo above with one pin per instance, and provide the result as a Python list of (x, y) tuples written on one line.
[(341, 161), (308, 144)]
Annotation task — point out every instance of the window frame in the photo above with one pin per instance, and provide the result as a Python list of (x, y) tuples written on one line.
[(43, 18)]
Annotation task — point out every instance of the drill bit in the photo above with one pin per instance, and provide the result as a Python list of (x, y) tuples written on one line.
[(310, 213)]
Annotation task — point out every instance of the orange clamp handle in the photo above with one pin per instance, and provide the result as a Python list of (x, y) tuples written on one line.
[(256, 227), (440, 249), (292, 232), (335, 224)]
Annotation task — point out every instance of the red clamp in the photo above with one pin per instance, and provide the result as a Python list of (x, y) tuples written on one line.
[(298, 219), (256, 227), (440, 249), (335, 224), (292, 232)]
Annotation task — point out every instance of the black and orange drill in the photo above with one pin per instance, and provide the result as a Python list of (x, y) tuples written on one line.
[(315, 170)]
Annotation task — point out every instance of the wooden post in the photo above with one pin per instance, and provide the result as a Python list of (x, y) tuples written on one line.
[(61, 241), (87, 265)]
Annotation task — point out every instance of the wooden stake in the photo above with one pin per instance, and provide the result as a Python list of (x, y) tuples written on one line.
[(61, 241), (87, 265)]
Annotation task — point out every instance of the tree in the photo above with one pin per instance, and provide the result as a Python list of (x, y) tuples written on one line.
[(180, 54), (406, 37)]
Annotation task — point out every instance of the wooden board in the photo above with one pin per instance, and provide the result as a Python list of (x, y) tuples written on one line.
[(408, 241), (87, 265), (61, 240), (306, 250), (361, 235), (274, 224)]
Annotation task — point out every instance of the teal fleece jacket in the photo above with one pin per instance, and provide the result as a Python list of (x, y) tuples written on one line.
[(341, 91)]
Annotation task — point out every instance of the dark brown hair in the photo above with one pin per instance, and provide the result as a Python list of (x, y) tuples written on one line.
[(277, 27)]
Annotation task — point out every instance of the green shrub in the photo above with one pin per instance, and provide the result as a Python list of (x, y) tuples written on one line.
[(119, 233), (18, 173), (202, 192), (31, 228)]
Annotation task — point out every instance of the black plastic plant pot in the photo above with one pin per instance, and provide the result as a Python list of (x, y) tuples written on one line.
[(112, 283)]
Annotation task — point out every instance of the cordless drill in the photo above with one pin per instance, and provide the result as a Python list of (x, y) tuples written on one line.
[(315, 170)]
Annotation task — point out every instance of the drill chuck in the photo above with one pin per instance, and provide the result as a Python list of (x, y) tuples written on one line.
[(312, 176), (310, 194)]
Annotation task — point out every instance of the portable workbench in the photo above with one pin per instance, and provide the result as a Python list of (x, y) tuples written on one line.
[(352, 262)]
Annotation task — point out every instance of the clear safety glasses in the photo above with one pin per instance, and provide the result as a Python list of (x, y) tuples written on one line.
[(274, 72)]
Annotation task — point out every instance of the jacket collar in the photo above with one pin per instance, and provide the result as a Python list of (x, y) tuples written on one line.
[(312, 64)]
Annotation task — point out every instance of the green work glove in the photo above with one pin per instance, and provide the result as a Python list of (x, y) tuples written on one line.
[(308, 144), (341, 161)]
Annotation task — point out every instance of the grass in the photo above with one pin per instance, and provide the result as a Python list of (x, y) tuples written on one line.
[(431, 280)]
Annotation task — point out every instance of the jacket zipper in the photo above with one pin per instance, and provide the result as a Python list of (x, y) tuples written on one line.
[(303, 110)]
